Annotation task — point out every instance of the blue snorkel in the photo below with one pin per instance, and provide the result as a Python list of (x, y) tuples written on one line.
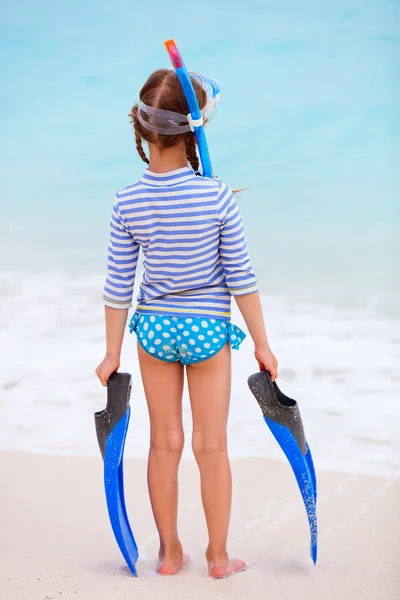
[(196, 120)]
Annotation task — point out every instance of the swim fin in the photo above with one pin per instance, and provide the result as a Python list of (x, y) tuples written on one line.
[(111, 428), (282, 416)]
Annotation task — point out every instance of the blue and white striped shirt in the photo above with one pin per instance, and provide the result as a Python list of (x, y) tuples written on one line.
[(192, 237)]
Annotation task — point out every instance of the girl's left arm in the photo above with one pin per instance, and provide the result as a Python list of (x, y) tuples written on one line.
[(115, 328), (123, 253)]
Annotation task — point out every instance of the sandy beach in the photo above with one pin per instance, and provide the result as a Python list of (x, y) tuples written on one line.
[(308, 129), (56, 540)]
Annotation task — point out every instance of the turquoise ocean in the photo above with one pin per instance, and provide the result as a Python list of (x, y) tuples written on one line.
[(309, 124)]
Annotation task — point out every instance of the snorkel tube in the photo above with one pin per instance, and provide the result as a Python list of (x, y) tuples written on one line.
[(195, 117)]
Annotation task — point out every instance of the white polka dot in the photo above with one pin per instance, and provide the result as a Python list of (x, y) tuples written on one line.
[(160, 354), (158, 327), (223, 325), (173, 341), (179, 337), (141, 319), (206, 345), (212, 351), (166, 334), (152, 318), (146, 326), (152, 350), (186, 333), (151, 335), (210, 333), (166, 322), (201, 337), (218, 328), (195, 328), (212, 320), (192, 342), (180, 326), (184, 346), (189, 353), (198, 349), (144, 342), (166, 348), (174, 329), (204, 324), (188, 320), (222, 335), (203, 355), (169, 356), (157, 342), (215, 340), (233, 336)]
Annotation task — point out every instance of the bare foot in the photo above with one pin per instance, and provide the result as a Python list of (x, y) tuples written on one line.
[(172, 565), (226, 568)]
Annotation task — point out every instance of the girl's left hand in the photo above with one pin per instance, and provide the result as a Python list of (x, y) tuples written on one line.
[(108, 365)]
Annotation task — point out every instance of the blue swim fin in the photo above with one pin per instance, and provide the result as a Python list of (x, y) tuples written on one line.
[(282, 416), (111, 428)]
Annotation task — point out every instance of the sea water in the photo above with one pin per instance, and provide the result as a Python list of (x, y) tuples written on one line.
[(308, 123)]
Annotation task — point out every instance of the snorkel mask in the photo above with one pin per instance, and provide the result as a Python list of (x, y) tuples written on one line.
[(167, 122)]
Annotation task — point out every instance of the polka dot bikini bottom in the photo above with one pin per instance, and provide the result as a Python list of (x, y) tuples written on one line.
[(188, 340)]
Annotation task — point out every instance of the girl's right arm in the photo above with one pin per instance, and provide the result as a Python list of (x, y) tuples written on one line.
[(240, 278), (250, 307)]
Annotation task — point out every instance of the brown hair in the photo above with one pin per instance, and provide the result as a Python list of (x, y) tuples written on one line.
[(163, 90)]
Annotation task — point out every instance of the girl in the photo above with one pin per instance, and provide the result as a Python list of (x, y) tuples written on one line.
[(191, 234)]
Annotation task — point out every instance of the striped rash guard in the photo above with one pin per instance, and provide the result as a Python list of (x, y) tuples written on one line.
[(194, 248)]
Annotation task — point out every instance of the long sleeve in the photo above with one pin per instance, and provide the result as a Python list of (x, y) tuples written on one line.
[(235, 259), (123, 253)]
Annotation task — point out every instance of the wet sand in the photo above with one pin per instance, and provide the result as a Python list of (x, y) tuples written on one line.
[(56, 541)]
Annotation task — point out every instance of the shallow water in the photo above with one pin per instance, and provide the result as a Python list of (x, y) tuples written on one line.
[(308, 123), (341, 365)]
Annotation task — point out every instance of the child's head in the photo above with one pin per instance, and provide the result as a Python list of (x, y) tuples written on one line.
[(163, 90)]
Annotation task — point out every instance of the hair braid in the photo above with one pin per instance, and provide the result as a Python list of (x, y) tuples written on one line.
[(191, 153), (139, 147)]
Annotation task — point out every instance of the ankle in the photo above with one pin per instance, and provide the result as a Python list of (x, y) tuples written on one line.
[(216, 556), (170, 548)]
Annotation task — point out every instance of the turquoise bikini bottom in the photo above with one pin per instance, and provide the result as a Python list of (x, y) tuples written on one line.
[(187, 340)]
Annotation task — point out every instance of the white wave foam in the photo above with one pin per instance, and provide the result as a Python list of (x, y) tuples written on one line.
[(342, 366)]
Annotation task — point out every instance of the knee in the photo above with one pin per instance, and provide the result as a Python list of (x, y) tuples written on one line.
[(206, 444), (170, 441)]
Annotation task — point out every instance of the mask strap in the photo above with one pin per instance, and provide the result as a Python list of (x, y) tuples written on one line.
[(165, 122)]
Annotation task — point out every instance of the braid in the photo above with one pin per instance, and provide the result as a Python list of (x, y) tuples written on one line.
[(191, 153), (139, 147)]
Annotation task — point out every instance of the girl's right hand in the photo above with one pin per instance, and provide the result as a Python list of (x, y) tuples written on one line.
[(108, 365), (266, 360)]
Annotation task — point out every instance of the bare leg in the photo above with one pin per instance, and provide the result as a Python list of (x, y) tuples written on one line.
[(209, 388), (163, 386)]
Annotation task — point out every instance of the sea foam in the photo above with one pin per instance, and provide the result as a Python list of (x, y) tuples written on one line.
[(342, 367)]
